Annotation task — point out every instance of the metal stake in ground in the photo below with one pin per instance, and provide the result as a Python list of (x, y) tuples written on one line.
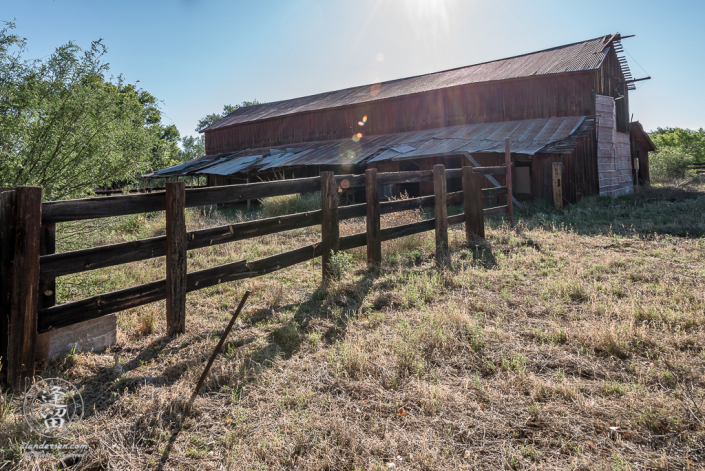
[(217, 348)]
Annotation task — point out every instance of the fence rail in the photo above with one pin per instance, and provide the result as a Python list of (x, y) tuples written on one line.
[(28, 268)]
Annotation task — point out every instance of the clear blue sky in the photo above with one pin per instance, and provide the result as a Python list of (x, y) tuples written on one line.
[(195, 56)]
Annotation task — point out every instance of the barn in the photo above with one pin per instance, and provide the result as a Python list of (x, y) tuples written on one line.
[(566, 104)]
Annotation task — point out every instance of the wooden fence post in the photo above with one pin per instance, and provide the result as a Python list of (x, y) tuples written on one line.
[(473, 205), (508, 163), (47, 245), (557, 186), (176, 258), (24, 287), (374, 236), (330, 231), (7, 252), (440, 206)]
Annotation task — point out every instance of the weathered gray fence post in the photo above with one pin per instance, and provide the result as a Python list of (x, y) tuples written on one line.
[(557, 168), (176, 257), (440, 207), (24, 287), (472, 205), (374, 236), (330, 231)]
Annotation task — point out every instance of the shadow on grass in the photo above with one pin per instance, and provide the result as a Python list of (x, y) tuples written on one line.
[(648, 212)]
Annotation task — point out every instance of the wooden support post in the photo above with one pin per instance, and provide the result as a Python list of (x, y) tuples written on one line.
[(330, 232), (473, 205), (25, 287), (558, 186), (176, 258), (7, 252), (440, 206), (47, 288), (374, 236), (508, 163)]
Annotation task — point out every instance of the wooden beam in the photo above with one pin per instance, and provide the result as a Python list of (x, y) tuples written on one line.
[(330, 230), (374, 238), (495, 211), (7, 252), (557, 168), (176, 258), (47, 286), (490, 170), (441, 212), (489, 178), (25, 287), (472, 205), (509, 166)]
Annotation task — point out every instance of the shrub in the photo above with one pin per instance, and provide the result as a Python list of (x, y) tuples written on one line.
[(341, 263), (291, 204), (670, 163)]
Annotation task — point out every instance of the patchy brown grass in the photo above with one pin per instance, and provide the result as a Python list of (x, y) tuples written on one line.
[(545, 348)]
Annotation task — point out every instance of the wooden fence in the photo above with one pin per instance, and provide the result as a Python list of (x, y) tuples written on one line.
[(29, 266)]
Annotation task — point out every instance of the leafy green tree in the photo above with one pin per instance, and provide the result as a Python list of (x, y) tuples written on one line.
[(227, 109), (192, 147), (677, 150), (688, 141), (64, 126)]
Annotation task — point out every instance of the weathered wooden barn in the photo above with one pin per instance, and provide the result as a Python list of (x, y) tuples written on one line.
[(566, 104)]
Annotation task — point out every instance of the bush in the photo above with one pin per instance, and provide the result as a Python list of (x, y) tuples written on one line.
[(670, 163), (341, 263), (291, 204)]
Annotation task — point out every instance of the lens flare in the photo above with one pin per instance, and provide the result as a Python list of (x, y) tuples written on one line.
[(364, 119), (357, 137), (351, 154), (360, 123), (345, 184)]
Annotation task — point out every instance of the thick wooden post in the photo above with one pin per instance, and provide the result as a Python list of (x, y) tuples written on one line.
[(24, 287), (558, 186), (176, 258), (440, 206), (330, 231), (473, 205), (7, 252), (374, 236), (508, 163), (47, 288)]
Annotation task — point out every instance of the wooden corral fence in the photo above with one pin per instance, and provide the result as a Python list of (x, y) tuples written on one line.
[(29, 266)]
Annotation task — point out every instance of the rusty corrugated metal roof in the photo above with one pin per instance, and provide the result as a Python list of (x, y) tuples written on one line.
[(527, 137), (585, 55)]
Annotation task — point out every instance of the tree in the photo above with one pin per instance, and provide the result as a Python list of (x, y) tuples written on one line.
[(677, 150), (64, 126), (688, 141), (192, 147), (227, 109)]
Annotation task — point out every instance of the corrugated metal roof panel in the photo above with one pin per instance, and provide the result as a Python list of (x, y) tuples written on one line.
[(585, 55), (527, 137)]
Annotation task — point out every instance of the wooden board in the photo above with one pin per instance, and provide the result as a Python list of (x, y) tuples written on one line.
[(176, 258), (7, 252), (25, 286), (374, 238), (441, 213)]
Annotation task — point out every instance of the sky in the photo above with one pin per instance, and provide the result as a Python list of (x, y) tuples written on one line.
[(197, 55)]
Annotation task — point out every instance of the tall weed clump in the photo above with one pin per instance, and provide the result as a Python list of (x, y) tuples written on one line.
[(290, 204)]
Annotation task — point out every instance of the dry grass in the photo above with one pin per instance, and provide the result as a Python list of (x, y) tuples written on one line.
[(545, 348)]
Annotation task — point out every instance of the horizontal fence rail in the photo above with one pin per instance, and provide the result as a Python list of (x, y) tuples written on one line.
[(177, 242)]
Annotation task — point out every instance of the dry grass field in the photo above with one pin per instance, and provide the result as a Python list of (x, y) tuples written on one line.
[(573, 341)]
